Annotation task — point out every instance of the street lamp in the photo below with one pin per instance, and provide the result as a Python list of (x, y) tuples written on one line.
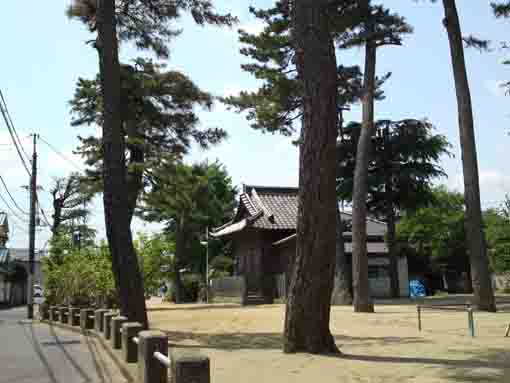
[(206, 244)]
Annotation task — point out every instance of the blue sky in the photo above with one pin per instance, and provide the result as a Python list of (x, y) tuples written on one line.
[(44, 53)]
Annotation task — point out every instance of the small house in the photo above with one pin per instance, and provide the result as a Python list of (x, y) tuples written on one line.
[(263, 235)]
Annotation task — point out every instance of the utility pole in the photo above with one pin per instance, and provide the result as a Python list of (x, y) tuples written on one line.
[(206, 244), (31, 231), (207, 265)]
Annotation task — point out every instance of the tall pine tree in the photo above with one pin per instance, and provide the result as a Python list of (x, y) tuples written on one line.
[(309, 299), (147, 25), (480, 274), (380, 28)]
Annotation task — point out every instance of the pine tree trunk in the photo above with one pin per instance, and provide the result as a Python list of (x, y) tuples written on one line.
[(480, 275), (309, 299), (125, 268), (342, 282), (362, 299)]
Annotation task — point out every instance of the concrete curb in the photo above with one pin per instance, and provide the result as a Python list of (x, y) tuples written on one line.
[(116, 358), (104, 344)]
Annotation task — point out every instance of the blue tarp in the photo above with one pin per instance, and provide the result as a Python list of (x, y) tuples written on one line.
[(416, 289)]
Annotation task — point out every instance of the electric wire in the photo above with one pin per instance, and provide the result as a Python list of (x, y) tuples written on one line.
[(62, 155), (12, 125), (12, 198), (12, 211), (4, 111)]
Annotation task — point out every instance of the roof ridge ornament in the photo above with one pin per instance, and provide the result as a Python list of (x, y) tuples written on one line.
[(268, 213)]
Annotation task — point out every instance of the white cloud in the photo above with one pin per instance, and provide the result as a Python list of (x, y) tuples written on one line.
[(494, 185)]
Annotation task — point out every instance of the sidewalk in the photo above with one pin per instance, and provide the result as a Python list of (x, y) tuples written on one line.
[(32, 352)]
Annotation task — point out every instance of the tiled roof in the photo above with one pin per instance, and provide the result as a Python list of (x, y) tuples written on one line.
[(281, 203), (276, 208)]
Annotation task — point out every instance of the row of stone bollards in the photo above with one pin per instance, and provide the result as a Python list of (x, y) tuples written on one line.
[(149, 349)]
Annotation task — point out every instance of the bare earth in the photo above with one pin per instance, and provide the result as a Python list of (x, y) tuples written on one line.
[(244, 344)]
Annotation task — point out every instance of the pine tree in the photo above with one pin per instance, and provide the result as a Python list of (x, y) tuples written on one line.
[(158, 118), (147, 25), (70, 199), (480, 274), (403, 163), (380, 28), (313, 268), (277, 106)]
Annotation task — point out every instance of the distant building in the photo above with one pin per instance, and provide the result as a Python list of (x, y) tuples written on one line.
[(4, 229), (4, 269), (263, 235), (14, 269)]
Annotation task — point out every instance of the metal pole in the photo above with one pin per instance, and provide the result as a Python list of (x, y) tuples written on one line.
[(418, 308), (471, 321), (31, 243), (207, 265)]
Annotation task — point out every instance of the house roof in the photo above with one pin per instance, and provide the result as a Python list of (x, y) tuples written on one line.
[(276, 208)]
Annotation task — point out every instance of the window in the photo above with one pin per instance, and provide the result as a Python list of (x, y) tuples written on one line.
[(378, 272)]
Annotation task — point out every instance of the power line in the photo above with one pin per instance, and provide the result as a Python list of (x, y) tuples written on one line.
[(13, 212), (13, 223), (10, 195), (12, 125), (4, 111), (45, 218), (64, 157)]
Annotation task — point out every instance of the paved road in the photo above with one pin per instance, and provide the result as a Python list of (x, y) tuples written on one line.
[(38, 353)]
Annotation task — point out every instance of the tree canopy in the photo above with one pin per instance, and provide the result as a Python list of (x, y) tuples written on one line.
[(188, 199), (158, 116), (404, 161), (70, 211)]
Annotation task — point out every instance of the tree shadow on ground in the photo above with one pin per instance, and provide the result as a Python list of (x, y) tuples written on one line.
[(268, 341), (488, 366), (496, 368)]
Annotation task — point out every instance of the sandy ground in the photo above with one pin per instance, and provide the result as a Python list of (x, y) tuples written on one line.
[(244, 344)]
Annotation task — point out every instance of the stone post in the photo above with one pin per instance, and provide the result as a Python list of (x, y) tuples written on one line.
[(107, 324), (130, 348), (151, 370), (73, 318), (86, 319), (62, 312), (190, 367), (98, 319), (244, 291), (116, 325), (53, 313), (44, 311)]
